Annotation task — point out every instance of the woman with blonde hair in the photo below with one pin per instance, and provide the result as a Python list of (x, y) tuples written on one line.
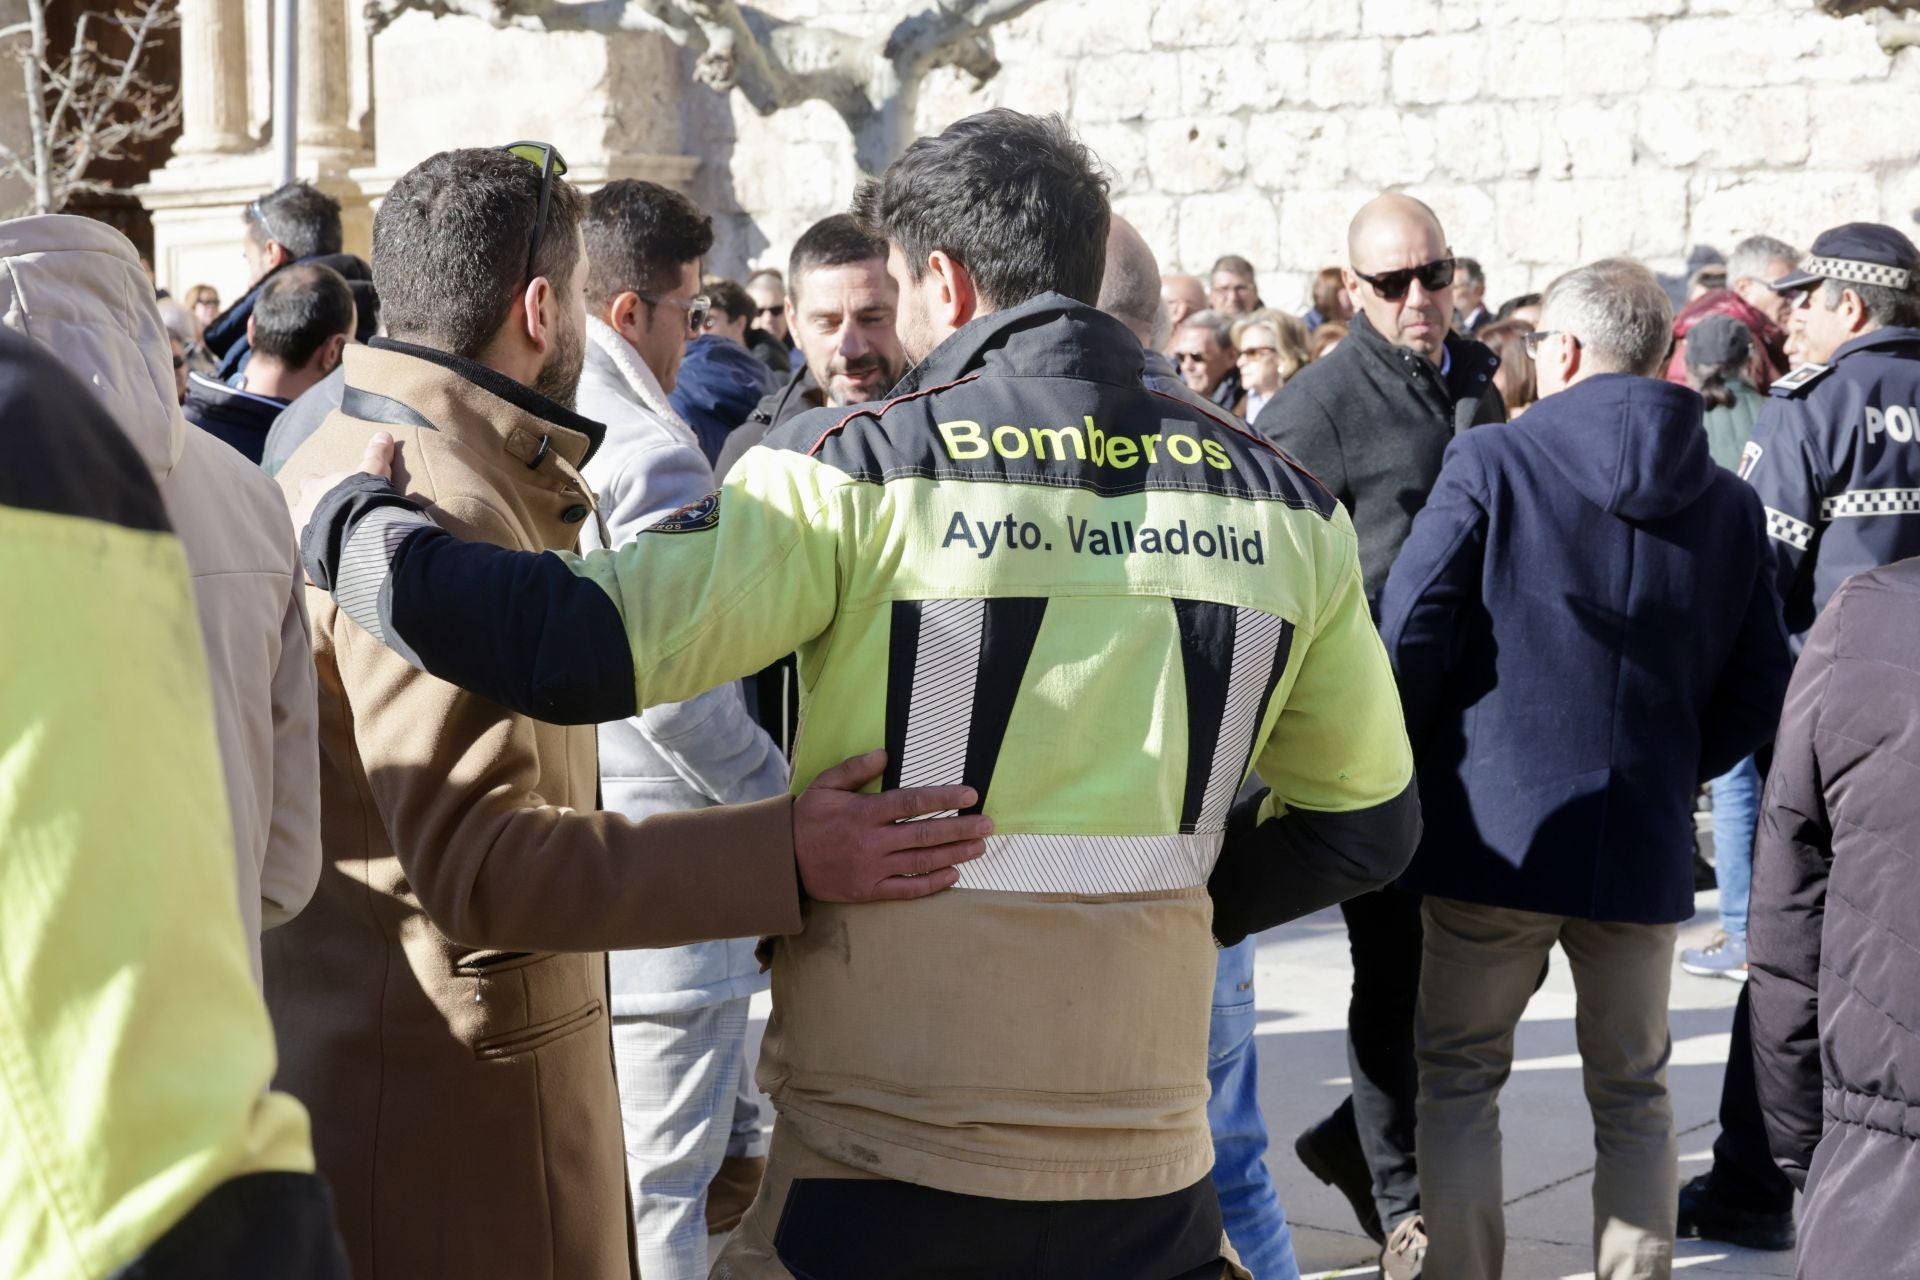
[(1270, 346)]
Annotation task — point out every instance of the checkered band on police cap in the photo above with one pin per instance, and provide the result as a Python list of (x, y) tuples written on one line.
[(1851, 272), (1869, 253)]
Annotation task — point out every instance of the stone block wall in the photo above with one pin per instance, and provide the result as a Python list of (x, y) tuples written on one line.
[(1545, 134)]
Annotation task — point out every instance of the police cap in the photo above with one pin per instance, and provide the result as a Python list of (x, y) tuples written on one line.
[(1857, 253)]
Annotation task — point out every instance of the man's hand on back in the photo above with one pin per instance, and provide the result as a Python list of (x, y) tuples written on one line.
[(860, 848), (377, 460)]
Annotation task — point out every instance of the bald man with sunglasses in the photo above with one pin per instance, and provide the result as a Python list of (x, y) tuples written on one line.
[(1372, 420)]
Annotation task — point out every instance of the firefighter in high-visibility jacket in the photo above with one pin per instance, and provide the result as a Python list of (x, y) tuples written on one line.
[(1100, 608)]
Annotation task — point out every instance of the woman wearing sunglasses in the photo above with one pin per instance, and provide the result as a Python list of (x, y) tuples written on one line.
[(1270, 347)]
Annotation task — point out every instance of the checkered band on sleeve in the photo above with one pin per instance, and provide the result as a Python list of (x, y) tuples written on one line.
[(1871, 502), (1782, 527), (1849, 271)]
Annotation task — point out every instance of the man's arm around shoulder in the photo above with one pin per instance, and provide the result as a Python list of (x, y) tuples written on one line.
[(709, 870), (708, 740)]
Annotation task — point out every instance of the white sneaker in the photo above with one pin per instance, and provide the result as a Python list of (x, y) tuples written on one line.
[(1724, 957)]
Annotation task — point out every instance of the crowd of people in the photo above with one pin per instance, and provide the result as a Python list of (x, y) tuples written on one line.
[(977, 637)]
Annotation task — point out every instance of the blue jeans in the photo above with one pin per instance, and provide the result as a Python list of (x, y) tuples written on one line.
[(1736, 809), (1256, 1224)]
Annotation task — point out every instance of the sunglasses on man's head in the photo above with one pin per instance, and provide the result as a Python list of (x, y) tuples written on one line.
[(257, 212), (1393, 285), (551, 166)]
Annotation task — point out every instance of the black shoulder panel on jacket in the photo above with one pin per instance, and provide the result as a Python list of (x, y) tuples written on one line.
[(65, 454), (1064, 432)]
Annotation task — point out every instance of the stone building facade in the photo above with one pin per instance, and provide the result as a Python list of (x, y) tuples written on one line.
[(1545, 133)]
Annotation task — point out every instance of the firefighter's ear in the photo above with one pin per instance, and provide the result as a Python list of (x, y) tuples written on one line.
[(954, 300)]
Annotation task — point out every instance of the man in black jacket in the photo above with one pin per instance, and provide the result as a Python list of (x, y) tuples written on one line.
[(293, 223), (840, 313), (841, 305), (1371, 422), (302, 324)]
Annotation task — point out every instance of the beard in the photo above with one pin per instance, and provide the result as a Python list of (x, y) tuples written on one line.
[(559, 378), (854, 381)]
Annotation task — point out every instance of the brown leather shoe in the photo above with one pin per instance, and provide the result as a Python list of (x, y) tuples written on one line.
[(732, 1190), (1406, 1251)]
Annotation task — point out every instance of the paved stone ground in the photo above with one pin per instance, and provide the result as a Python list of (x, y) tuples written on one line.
[(1302, 982)]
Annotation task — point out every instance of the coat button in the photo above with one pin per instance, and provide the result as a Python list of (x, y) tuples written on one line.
[(574, 515)]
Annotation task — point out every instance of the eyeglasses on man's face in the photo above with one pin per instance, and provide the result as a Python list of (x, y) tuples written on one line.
[(698, 308), (1532, 342), (551, 165), (1189, 357), (1393, 285)]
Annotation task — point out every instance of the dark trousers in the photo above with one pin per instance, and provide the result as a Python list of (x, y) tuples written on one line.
[(837, 1229), (1744, 1174), (256, 1225), (1384, 934)]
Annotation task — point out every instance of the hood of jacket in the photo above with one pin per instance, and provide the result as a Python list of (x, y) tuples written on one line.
[(1634, 447), (75, 286), (615, 378)]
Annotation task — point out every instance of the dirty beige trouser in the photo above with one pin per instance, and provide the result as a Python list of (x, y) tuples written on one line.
[(1477, 974), (749, 1254)]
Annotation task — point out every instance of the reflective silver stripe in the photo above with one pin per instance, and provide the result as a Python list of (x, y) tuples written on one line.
[(366, 562), (1782, 527), (1871, 502), (945, 670), (1093, 864), (1256, 638)]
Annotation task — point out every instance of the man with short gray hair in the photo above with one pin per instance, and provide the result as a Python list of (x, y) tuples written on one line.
[(1748, 296), (1584, 626)]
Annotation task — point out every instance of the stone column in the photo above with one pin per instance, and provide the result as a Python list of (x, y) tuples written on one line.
[(326, 86), (213, 78)]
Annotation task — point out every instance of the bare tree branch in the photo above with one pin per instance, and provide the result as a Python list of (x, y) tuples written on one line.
[(872, 82), (93, 105)]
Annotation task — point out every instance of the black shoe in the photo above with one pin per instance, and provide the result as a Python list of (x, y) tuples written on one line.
[(1706, 1216), (1331, 1151), (1704, 876)]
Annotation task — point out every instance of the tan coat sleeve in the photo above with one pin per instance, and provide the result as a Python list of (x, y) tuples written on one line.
[(290, 871), (456, 782)]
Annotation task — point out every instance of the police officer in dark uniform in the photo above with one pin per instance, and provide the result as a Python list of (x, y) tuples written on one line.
[(1836, 452), (1835, 457)]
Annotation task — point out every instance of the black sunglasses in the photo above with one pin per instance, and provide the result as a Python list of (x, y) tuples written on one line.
[(1393, 285), (552, 166)]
